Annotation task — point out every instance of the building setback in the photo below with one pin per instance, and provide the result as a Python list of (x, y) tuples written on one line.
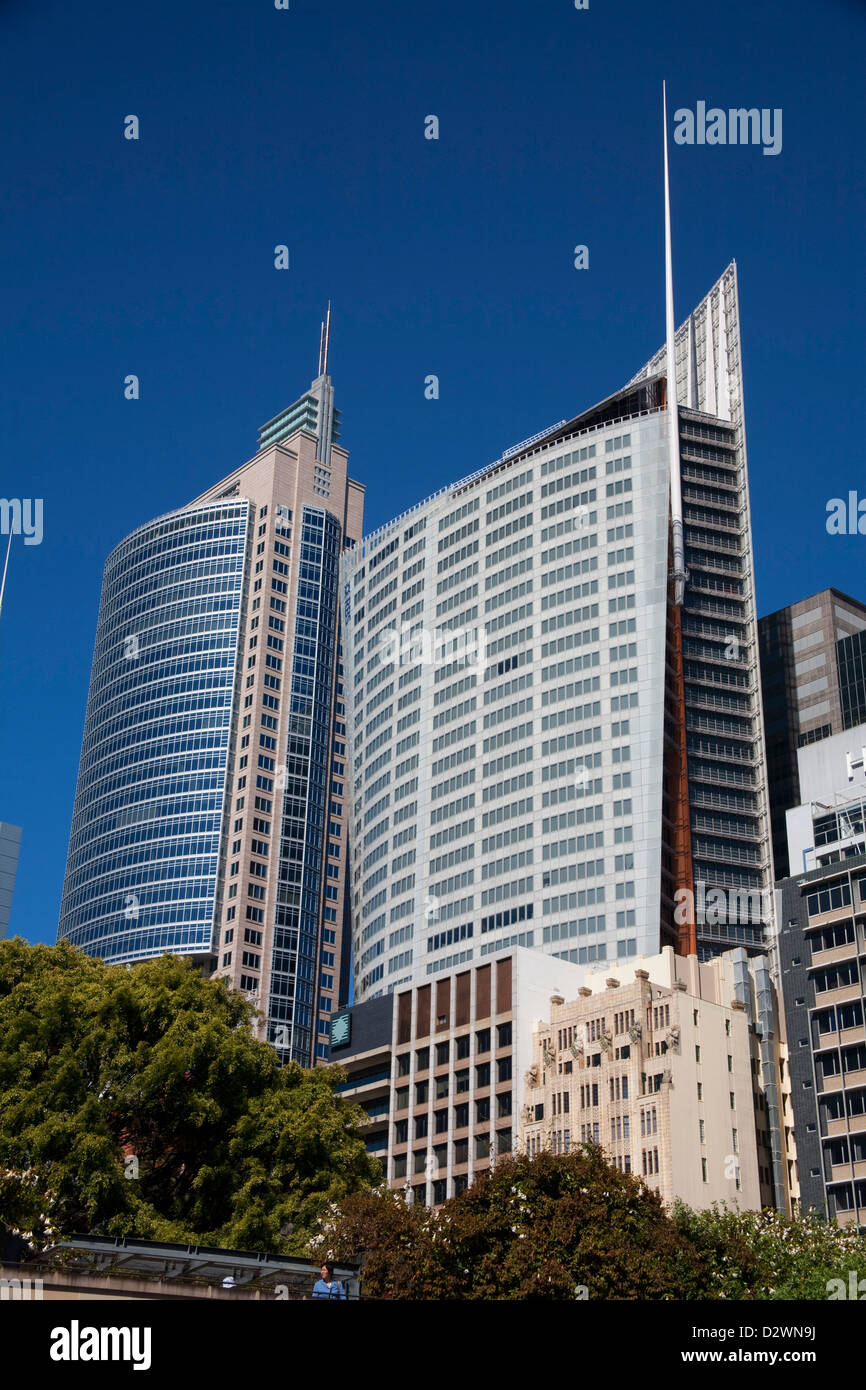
[(546, 746), (813, 676), (210, 811), (459, 1070)]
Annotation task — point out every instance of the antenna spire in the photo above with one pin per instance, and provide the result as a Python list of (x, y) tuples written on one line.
[(679, 558), (324, 342), (5, 568)]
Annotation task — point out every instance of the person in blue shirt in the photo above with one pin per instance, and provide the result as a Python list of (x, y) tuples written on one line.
[(328, 1286)]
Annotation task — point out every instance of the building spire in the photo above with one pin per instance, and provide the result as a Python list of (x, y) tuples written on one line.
[(679, 559), (5, 567), (324, 343), (324, 393)]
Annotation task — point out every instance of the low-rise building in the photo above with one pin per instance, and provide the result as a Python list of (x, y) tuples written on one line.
[(681, 1076), (676, 1069), (440, 1067)]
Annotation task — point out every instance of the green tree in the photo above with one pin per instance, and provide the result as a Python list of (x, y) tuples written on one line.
[(763, 1255), (136, 1101), (543, 1227), (554, 1226)]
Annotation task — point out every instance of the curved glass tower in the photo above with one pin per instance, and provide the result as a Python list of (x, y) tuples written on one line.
[(142, 873)]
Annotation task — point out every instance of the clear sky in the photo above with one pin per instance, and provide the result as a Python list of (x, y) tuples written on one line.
[(305, 127)]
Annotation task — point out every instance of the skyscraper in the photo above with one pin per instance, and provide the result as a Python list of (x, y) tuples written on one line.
[(813, 673), (555, 714), (10, 845), (210, 811), (10, 835)]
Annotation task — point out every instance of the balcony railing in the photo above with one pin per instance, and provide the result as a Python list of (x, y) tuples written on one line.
[(729, 753), (705, 723), (701, 796), (714, 825), (721, 776)]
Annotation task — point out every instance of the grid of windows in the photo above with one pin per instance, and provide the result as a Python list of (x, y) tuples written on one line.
[(142, 866), (545, 704), (506, 760)]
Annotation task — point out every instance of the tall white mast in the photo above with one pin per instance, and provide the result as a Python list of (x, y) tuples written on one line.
[(324, 342), (323, 387), (679, 556), (5, 568)]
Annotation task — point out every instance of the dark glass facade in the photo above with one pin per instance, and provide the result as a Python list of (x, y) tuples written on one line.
[(851, 664), (292, 1002), (791, 661), (779, 694), (728, 838)]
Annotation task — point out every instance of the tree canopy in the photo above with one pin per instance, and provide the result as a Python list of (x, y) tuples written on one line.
[(572, 1226), (553, 1226), (136, 1101)]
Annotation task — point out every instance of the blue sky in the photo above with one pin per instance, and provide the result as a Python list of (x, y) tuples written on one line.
[(454, 257)]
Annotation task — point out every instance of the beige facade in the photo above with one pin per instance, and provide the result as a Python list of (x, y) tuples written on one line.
[(677, 1069), (658, 1062), (300, 470), (211, 815)]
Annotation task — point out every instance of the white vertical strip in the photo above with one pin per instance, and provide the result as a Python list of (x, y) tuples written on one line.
[(6, 565), (679, 569), (710, 365), (724, 376)]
